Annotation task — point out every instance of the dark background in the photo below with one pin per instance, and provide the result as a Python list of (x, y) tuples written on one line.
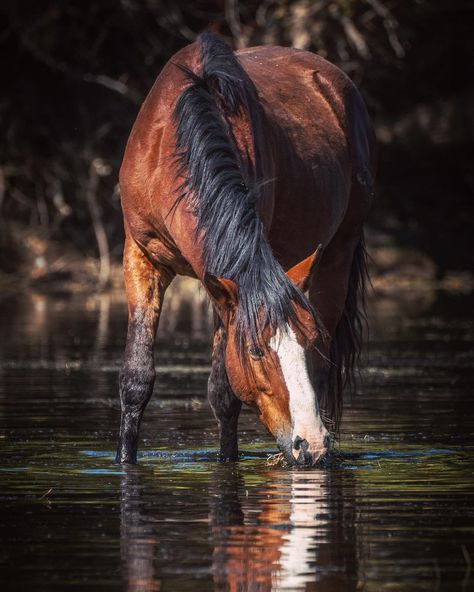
[(74, 74)]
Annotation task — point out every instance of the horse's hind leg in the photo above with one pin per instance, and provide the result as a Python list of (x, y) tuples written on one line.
[(145, 287), (224, 403), (335, 293)]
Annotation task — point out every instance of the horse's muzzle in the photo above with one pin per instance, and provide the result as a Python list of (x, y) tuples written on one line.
[(299, 453)]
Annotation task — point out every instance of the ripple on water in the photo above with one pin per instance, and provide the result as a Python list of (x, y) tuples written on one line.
[(395, 512)]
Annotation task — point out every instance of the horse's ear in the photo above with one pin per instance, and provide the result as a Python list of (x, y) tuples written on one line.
[(222, 290), (302, 273)]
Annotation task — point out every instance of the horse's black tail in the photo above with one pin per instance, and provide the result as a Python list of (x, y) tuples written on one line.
[(347, 340)]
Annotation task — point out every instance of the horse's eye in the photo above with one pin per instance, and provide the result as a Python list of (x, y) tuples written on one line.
[(255, 353)]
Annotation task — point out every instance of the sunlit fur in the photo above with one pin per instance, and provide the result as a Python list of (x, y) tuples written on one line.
[(223, 191)]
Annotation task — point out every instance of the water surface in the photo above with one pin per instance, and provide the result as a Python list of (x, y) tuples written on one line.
[(397, 512)]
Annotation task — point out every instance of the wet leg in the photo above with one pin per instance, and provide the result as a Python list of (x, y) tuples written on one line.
[(224, 403), (145, 286)]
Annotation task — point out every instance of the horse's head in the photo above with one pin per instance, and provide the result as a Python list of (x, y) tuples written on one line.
[(275, 376)]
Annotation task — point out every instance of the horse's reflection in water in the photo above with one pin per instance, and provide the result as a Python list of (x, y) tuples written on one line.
[(138, 540), (294, 530), (300, 536)]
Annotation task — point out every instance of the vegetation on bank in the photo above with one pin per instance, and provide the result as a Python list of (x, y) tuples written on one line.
[(74, 75)]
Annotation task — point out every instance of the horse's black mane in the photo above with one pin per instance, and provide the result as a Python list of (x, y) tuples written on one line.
[(223, 190)]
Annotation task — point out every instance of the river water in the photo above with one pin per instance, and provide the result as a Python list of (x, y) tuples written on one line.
[(397, 512)]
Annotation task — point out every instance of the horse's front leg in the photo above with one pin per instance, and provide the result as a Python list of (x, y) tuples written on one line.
[(224, 403), (145, 287)]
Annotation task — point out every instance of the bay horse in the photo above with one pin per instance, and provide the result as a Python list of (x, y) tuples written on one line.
[(251, 171)]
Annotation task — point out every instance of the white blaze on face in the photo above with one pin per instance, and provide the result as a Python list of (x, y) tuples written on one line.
[(304, 416)]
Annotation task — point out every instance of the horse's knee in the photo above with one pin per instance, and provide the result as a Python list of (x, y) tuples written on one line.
[(225, 406), (136, 386), (224, 403), (217, 383)]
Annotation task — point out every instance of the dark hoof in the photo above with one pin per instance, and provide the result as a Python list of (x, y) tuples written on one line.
[(122, 458)]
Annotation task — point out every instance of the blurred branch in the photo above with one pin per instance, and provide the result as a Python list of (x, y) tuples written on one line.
[(111, 84), (174, 17), (232, 15), (97, 168), (261, 15), (354, 36), (59, 66), (2, 186), (299, 31), (390, 25)]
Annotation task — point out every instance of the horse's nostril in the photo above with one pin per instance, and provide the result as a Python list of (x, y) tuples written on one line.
[(327, 441), (297, 442), (300, 443)]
